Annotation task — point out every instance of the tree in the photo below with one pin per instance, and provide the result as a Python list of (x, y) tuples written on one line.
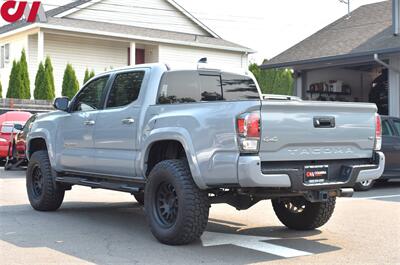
[(1, 91), (51, 88), (24, 75), (70, 84), (14, 85), (273, 81), (88, 75), (92, 74), (40, 83)]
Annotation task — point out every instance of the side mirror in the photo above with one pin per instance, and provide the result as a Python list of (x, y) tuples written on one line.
[(61, 103), (18, 127)]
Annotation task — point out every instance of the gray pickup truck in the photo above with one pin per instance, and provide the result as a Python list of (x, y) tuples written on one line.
[(180, 141)]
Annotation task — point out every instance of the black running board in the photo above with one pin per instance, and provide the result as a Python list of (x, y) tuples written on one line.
[(130, 186)]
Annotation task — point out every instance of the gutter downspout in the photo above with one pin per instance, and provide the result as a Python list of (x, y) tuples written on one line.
[(388, 66)]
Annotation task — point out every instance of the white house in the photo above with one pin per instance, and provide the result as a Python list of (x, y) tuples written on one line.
[(104, 34)]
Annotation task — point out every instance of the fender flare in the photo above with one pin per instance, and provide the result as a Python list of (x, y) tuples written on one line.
[(45, 136), (172, 134)]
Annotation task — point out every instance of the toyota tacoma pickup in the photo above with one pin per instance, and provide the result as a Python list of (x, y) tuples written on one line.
[(180, 141)]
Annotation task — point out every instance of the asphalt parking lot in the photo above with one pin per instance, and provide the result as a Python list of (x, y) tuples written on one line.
[(104, 227)]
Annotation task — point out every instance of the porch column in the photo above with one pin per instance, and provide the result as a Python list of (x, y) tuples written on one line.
[(40, 47), (132, 54), (298, 85), (394, 87)]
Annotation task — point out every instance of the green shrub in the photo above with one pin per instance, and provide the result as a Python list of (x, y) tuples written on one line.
[(88, 75), (51, 88), (14, 85), (273, 81), (24, 75), (40, 83), (70, 85)]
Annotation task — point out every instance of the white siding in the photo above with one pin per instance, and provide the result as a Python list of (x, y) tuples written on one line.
[(157, 14), (188, 57), (17, 43), (83, 53)]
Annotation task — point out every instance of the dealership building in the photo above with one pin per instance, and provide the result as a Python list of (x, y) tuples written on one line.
[(354, 59), (105, 34)]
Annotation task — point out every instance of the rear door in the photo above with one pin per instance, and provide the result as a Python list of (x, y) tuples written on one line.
[(115, 136)]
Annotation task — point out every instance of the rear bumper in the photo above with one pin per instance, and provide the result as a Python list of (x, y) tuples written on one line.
[(289, 175)]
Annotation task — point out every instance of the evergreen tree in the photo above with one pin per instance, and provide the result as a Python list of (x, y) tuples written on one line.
[(14, 85), (51, 88), (273, 81), (24, 75), (40, 83), (70, 84), (1, 91), (92, 74), (87, 76)]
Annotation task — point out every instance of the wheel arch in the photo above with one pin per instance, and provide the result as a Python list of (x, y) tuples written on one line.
[(171, 136), (39, 142)]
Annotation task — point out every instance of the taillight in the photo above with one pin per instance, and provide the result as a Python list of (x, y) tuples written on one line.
[(378, 133), (248, 130)]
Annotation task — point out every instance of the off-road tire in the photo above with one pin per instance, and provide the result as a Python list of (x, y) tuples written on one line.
[(192, 204), (312, 216), (51, 195), (139, 197)]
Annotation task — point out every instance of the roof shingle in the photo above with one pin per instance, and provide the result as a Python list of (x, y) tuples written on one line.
[(368, 30)]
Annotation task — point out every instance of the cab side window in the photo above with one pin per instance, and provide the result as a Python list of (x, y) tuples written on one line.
[(125, 89), (90, 98), (179, 87)]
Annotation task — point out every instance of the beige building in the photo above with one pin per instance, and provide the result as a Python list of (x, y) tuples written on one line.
[(104, 34)]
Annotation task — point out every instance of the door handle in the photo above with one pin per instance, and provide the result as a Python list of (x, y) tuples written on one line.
[(89, 123), (128, 121)]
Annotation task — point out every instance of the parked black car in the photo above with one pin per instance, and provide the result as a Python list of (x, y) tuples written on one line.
[(391, 148)]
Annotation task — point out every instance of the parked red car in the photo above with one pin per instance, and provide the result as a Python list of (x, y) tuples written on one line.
[(16, 156), (8, 121)]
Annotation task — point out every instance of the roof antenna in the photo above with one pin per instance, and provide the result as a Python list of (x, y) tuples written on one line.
[(347, 2)]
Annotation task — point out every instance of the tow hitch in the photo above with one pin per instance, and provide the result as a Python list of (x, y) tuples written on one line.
[(322, 196)]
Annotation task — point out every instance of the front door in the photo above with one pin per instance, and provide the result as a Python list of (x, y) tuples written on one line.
[(115, 136), (75, 133)]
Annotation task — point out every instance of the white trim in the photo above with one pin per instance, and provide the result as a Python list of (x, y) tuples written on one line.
[(193, 18), (128, 36), (132, 55), (125, 36), (76, 9)]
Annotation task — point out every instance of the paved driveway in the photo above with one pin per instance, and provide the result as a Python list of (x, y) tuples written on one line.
[(104, 227)]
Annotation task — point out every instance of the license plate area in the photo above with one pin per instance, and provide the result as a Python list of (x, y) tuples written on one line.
[(316, 174)]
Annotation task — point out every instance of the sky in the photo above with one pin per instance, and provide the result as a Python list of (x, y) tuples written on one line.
[(267, 26)]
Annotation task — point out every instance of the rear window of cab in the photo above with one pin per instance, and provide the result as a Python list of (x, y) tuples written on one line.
[(205, 86)]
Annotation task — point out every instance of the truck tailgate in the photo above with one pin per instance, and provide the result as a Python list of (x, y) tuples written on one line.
[(307, 131)]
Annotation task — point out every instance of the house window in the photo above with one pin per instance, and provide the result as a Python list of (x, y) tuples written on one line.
[(5, 55)]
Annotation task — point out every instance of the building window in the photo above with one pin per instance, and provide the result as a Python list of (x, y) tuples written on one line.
[(5, 55)]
